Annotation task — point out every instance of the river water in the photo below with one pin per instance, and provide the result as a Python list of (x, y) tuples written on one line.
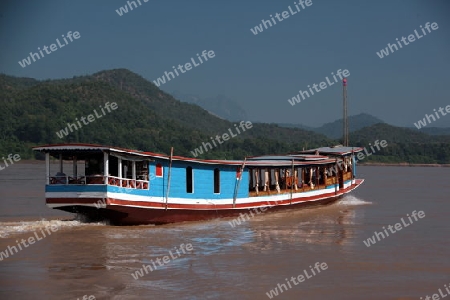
[(70, 259)]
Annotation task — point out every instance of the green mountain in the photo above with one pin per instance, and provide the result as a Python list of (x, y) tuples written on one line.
[(37, 112), (146, 118), (404, 145)]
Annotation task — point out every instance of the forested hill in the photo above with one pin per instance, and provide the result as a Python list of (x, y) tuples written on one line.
[(404, 145), (149, 119), (146, 118)]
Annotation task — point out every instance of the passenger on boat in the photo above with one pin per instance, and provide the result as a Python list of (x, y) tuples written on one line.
[(60, 178)]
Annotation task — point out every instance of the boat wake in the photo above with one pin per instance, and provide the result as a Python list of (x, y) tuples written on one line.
[(350, 200), (19, 227)]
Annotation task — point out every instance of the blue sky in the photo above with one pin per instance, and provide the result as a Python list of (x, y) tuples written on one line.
[(262, 71)]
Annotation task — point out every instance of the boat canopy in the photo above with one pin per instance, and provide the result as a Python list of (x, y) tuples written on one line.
[(68, 150), (333, 151), (304, 158)]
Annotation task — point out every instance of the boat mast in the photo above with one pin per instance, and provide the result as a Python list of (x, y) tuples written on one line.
[(345, 117)]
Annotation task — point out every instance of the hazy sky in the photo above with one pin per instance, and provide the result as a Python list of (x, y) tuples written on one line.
[(260, 71)]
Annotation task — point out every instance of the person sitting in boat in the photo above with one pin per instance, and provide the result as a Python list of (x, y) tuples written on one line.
[(60, 178), (312, 178)]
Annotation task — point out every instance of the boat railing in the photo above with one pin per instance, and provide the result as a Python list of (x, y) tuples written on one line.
[(99, 179), (65, 179), (299, 186), (128, 183)]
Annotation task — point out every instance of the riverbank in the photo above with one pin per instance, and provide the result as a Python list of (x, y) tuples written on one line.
[(402, 165)]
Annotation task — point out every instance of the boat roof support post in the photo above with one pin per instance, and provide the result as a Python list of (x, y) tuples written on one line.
[(336, 175), (60, 163), (317, 171), (106, 166), (47, 168), (133, 169), (74, 165), (236, 190), (292, 180), (257, 181), (303, 179), (353, 165), (168, 177), (277, 177)]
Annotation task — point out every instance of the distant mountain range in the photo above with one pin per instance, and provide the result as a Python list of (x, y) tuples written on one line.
[(435, 130), (228, 109), (149, 119), (221, 106), (333, 130)]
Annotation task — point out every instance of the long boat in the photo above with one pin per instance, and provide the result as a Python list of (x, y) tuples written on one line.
[(130, 187)]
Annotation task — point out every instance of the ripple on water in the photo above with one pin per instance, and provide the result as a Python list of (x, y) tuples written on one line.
[(352, 200), (19, 227)]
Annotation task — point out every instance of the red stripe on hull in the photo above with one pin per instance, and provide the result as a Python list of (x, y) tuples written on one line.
[(138, 216)]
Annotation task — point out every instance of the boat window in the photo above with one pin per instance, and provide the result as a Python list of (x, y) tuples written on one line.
[(142, 170), (159, 170), (189, 180), (216, 181)]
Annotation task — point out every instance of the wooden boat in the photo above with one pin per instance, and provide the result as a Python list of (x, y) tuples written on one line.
[(129, 187)]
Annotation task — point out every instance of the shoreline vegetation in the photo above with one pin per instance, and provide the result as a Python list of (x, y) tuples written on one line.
[(369, 164), (403, 164)]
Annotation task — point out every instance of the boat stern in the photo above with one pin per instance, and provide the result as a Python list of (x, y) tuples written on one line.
[(66, 196)]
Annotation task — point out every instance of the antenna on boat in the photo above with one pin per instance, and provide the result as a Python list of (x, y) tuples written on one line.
[(345, 117)]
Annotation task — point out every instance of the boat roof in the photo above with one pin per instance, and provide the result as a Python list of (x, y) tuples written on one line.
[(336, 150), (305, 157), (69, 150)]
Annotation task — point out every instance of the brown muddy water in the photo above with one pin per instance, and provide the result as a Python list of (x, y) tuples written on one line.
[(73, 259)]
